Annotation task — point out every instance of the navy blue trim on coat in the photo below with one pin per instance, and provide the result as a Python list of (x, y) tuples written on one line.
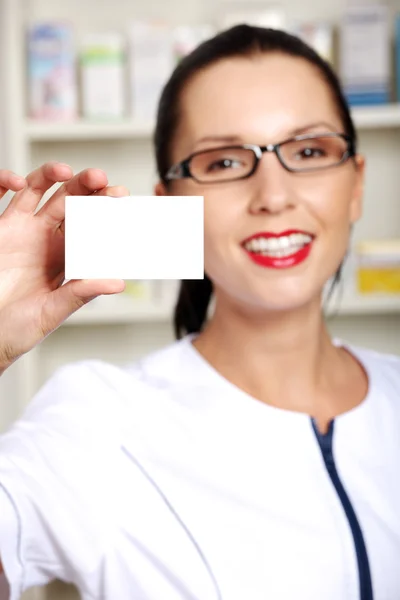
[(325, 442)]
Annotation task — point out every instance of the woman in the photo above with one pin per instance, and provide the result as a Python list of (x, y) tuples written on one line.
[(254, 458)]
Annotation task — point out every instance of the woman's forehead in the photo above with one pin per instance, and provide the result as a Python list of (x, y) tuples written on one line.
[(268, 95)]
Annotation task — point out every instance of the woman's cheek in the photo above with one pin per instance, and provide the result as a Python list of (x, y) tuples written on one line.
[(217, 242)]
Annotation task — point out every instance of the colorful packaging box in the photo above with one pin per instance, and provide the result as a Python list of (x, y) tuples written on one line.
[(268, 15), (317, 35), (52, 81), (397, 55), (139, 289), (365, 48), (103, 77), (151, 63), (378, 268), (186, 38)]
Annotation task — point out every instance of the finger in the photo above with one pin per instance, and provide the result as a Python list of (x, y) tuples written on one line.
[(10, 181), (84, 183), (37, 183), (76, 293), (114, 191)]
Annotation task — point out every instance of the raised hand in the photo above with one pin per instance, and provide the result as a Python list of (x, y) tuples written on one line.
[(33, 301)]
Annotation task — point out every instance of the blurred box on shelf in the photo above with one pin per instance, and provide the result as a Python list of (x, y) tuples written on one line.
[(103, 77), (317, 35), (140, 289), (52, 82), (187, 37), (249, 12), (397, 55), (365, 54), (378, 266), (151, 57), (166, 292)]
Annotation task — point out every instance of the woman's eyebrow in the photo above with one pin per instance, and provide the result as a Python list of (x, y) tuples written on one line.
[(309, 126), (219, 138), (235, 139)]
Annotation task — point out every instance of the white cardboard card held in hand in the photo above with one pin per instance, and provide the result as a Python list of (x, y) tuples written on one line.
[(135, 237)]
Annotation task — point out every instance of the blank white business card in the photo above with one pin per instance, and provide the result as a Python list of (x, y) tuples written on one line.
[(135, 237)]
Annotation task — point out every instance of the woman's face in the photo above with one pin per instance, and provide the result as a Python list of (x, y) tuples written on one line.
[(265, 100)]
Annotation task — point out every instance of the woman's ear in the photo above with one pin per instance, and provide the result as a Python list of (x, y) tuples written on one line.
[(160, 189), (357, 198)]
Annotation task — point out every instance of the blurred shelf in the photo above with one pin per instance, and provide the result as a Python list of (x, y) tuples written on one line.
[(375, 117), (353, 305), (123, 313), (87, 130), (366, 117), (151, 312)]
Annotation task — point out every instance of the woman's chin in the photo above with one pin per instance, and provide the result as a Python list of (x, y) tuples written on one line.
[(277, 305), (289, 305), (251, 298)]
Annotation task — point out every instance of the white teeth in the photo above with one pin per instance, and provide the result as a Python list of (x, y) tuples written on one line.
[(278, 246), (272, 244)]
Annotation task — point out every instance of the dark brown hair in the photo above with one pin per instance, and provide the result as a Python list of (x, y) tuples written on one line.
[(242, 40)]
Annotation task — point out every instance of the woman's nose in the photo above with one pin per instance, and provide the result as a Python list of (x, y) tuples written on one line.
[(271, 191)]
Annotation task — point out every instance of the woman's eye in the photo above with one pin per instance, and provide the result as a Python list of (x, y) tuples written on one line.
[(310, 152), (225, 163)]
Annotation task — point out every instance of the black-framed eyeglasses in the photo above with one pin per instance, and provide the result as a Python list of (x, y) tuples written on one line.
[(300, 154)]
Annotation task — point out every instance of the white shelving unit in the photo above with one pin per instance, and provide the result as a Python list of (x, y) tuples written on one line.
[(127, 313), (117, 331), (82, 130), (358, 306), (377, 117), (365, 118), (130, 313)]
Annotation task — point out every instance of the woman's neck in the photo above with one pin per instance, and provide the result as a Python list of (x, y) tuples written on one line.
[(284, 359)]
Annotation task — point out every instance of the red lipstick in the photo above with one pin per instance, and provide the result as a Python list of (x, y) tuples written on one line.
[(281, 262)]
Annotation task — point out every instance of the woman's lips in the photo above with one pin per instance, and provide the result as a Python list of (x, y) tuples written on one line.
[(273, 250)]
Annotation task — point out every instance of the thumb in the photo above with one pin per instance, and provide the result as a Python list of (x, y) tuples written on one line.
[(76, 293)]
